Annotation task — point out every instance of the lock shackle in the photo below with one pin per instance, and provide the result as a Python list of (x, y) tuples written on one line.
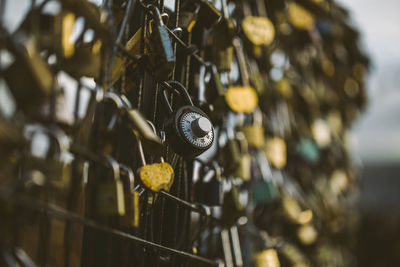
[(210, 69), (55, 136), (213, 166), (114, 165), (129, 174), (257, 116), (183, 93), (155, 13), (243, 143), (120, 101), (153, 127)]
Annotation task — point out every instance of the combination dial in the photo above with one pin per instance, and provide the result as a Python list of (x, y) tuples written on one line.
[(197, 129)]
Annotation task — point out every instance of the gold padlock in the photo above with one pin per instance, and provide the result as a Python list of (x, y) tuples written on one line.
[(275, 150), (110, 194), (37, 80), (156, 176), (131, 196), (51, 164), (133, 48), (86, 60), (267, 258), (241, 99), (259, 30), (140, 127), (255, 132), (244, 169), (300, 17)]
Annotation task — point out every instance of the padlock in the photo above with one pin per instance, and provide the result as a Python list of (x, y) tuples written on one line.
[(300, 17), (241, 99), (208, 14), (244, 169), (140, 127), (231, 156), (293, 255), (275, 151), (215, 92), (133, 48), (221, 40), (267, 258), (94, 18), (11, 138), (156, 176), (62, 113), (53, 31), (110, 193), (208, 190), (50, 161), (86, 61), (108, 120), (223, 58), (189, 130), (232, 208), (214, 86), (38, 80), (257, 78), (225, 30), (308, 150), (258, 30), (307, 234), (59, 32), (131, 197), (118, 106), (187, 20), (264, 190), (188, 15), (255, 132), (161, 53)]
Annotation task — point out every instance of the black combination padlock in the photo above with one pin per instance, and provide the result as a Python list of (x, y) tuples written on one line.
[(188, 129)]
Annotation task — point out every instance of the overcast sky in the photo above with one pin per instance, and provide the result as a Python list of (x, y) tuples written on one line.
[(378, 131)]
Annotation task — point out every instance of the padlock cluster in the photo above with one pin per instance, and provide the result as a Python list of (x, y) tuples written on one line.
[(179, 133)]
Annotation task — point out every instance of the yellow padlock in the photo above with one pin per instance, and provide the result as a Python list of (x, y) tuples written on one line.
[(259, 30), (300, 17), (241, 99), (267, 258), (275, 150), (156, 176)]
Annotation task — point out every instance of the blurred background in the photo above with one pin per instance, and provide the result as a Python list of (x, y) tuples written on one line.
[(377, 133)]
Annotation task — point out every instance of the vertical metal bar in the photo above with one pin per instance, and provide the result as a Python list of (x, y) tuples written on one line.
[(226, 246), (176, 221), (160, 240), (44, 232), (237, 252), (127, 16)]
